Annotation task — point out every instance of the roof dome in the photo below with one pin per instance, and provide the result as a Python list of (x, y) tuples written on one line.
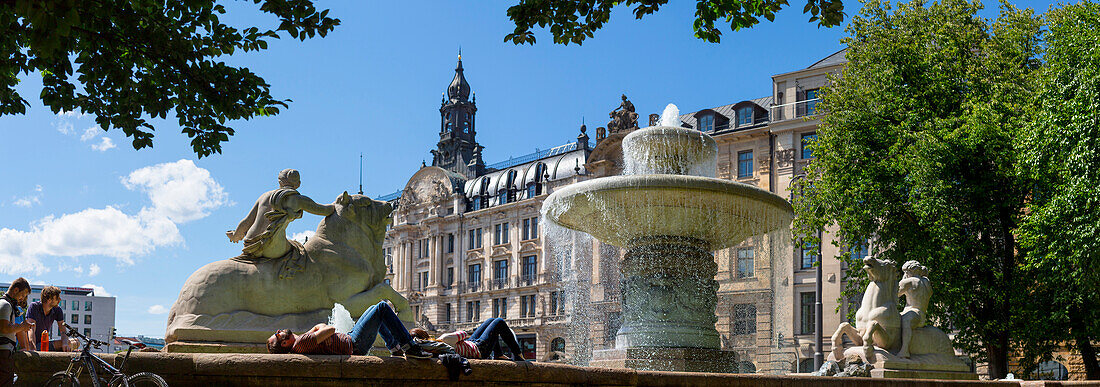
[(458, 90)]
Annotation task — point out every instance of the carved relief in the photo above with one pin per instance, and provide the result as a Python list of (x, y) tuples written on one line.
[(785, 158)]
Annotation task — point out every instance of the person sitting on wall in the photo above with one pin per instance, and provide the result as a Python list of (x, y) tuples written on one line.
[(46, 313), (9, 329), (484, 343), (323, 339)]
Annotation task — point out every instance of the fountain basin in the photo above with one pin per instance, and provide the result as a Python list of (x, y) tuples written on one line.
[(625, 210)]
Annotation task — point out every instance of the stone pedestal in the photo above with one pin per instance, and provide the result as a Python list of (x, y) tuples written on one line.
[(923, 366), (669, 294), (667, 359)]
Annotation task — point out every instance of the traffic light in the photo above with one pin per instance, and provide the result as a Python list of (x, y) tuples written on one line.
[(113, 333)]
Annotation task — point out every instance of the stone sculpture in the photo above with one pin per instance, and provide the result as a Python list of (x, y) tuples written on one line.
[(898, 344), (243, 302)]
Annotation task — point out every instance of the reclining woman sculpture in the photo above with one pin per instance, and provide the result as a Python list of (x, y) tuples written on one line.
[(239, 301)]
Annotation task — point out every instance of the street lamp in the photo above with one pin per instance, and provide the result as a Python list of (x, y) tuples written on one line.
[(819, 325)]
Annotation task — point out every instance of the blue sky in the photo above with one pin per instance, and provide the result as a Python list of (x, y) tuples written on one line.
[(81, 207)]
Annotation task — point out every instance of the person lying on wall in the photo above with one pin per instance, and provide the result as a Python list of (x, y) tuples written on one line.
[(484, 343), (323, 339)]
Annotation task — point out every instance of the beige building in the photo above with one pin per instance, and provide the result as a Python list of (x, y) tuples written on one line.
[(467, 245)]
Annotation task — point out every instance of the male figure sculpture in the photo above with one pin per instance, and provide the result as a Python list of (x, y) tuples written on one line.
[(917, 291), (264, 229)]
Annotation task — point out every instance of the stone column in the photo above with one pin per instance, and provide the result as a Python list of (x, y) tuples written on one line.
[(669, 294)]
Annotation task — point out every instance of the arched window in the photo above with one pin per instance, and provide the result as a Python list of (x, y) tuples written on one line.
[(508, 192), (535, 187), (746, 367), (557, 344), (1051, 370)]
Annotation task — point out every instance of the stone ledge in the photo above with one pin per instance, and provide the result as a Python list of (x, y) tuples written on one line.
[(210, 369)]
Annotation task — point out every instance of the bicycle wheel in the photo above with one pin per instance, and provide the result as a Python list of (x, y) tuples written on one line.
[(146, 379), (62, 379)]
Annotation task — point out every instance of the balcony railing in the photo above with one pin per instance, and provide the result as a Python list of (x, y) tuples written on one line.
[(794, 110), (526, 280)]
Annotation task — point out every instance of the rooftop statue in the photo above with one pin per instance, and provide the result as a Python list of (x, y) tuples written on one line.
[(623, 117), (244, 299)]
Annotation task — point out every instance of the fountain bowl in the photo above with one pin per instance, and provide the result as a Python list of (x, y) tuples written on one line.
[(627, 210)]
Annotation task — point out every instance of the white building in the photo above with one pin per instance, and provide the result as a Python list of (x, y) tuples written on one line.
[(92, 315)]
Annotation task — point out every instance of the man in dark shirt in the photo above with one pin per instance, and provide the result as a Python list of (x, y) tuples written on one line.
[(45, 313), (322, 339)]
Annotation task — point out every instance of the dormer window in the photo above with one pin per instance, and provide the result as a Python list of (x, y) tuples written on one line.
[(706, 123), (535, 187), (744, 116)]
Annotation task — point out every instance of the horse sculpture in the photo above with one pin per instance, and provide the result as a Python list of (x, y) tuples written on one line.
[(878, 328), (878, 323), (239, 302)]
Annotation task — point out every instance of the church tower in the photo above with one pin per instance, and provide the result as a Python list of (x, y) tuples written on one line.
[(458, 150)]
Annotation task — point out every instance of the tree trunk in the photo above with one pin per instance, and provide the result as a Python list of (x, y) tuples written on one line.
[(1088, 356), (998, 356)]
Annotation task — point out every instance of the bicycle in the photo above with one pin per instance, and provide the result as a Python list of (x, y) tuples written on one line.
[(92, 363)]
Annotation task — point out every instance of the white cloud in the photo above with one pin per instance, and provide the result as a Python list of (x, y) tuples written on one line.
[(93, 270), (90, 133), (104, 144), (72, 114), (79, 270), (65, 127), (29, 200), (99, 290), (301, 237), (26, 201), (179, 192), (157, 309)]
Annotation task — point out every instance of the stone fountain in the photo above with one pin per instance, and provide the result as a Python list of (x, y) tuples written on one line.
[(670, 214)]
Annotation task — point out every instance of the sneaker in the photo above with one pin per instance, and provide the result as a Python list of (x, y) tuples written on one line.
[(414, 351), (396, 352)]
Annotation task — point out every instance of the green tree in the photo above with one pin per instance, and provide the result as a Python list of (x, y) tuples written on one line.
[(134, 60), (573, 21), (916, 148), (1062, 232)]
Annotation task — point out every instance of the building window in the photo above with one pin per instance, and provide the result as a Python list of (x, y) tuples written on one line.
[(447, 314), (500, 273), (744, 164), (87, 332), (75, 319), (535, 187), (87, 306), (527, 306), (475, 238), (475, 203), (473, 311), (76, 305), (473, 276), (530, 228), (807, 307), (62, 305), (451, 243), (706, 123), (500, 234), (806, 366), (450, 277), (1051, 370), (423, 280), (744, 116), (422, 246), (87, 319), (557, 344), (859, 251), (746, 263), (809, 254), (557, 305), (808, 138), (500, 307), (744, 319), (811, 101), (530, 270)]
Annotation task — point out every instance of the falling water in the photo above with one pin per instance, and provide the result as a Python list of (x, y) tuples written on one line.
[(668, 190), (341, 319)]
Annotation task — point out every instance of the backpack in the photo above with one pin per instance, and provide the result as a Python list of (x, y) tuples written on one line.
[(4, 340)]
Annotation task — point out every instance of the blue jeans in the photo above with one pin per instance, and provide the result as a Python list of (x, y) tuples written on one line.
[(488, 334), (378, 320)]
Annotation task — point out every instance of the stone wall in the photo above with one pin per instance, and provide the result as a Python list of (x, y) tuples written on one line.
[(295, 370)]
